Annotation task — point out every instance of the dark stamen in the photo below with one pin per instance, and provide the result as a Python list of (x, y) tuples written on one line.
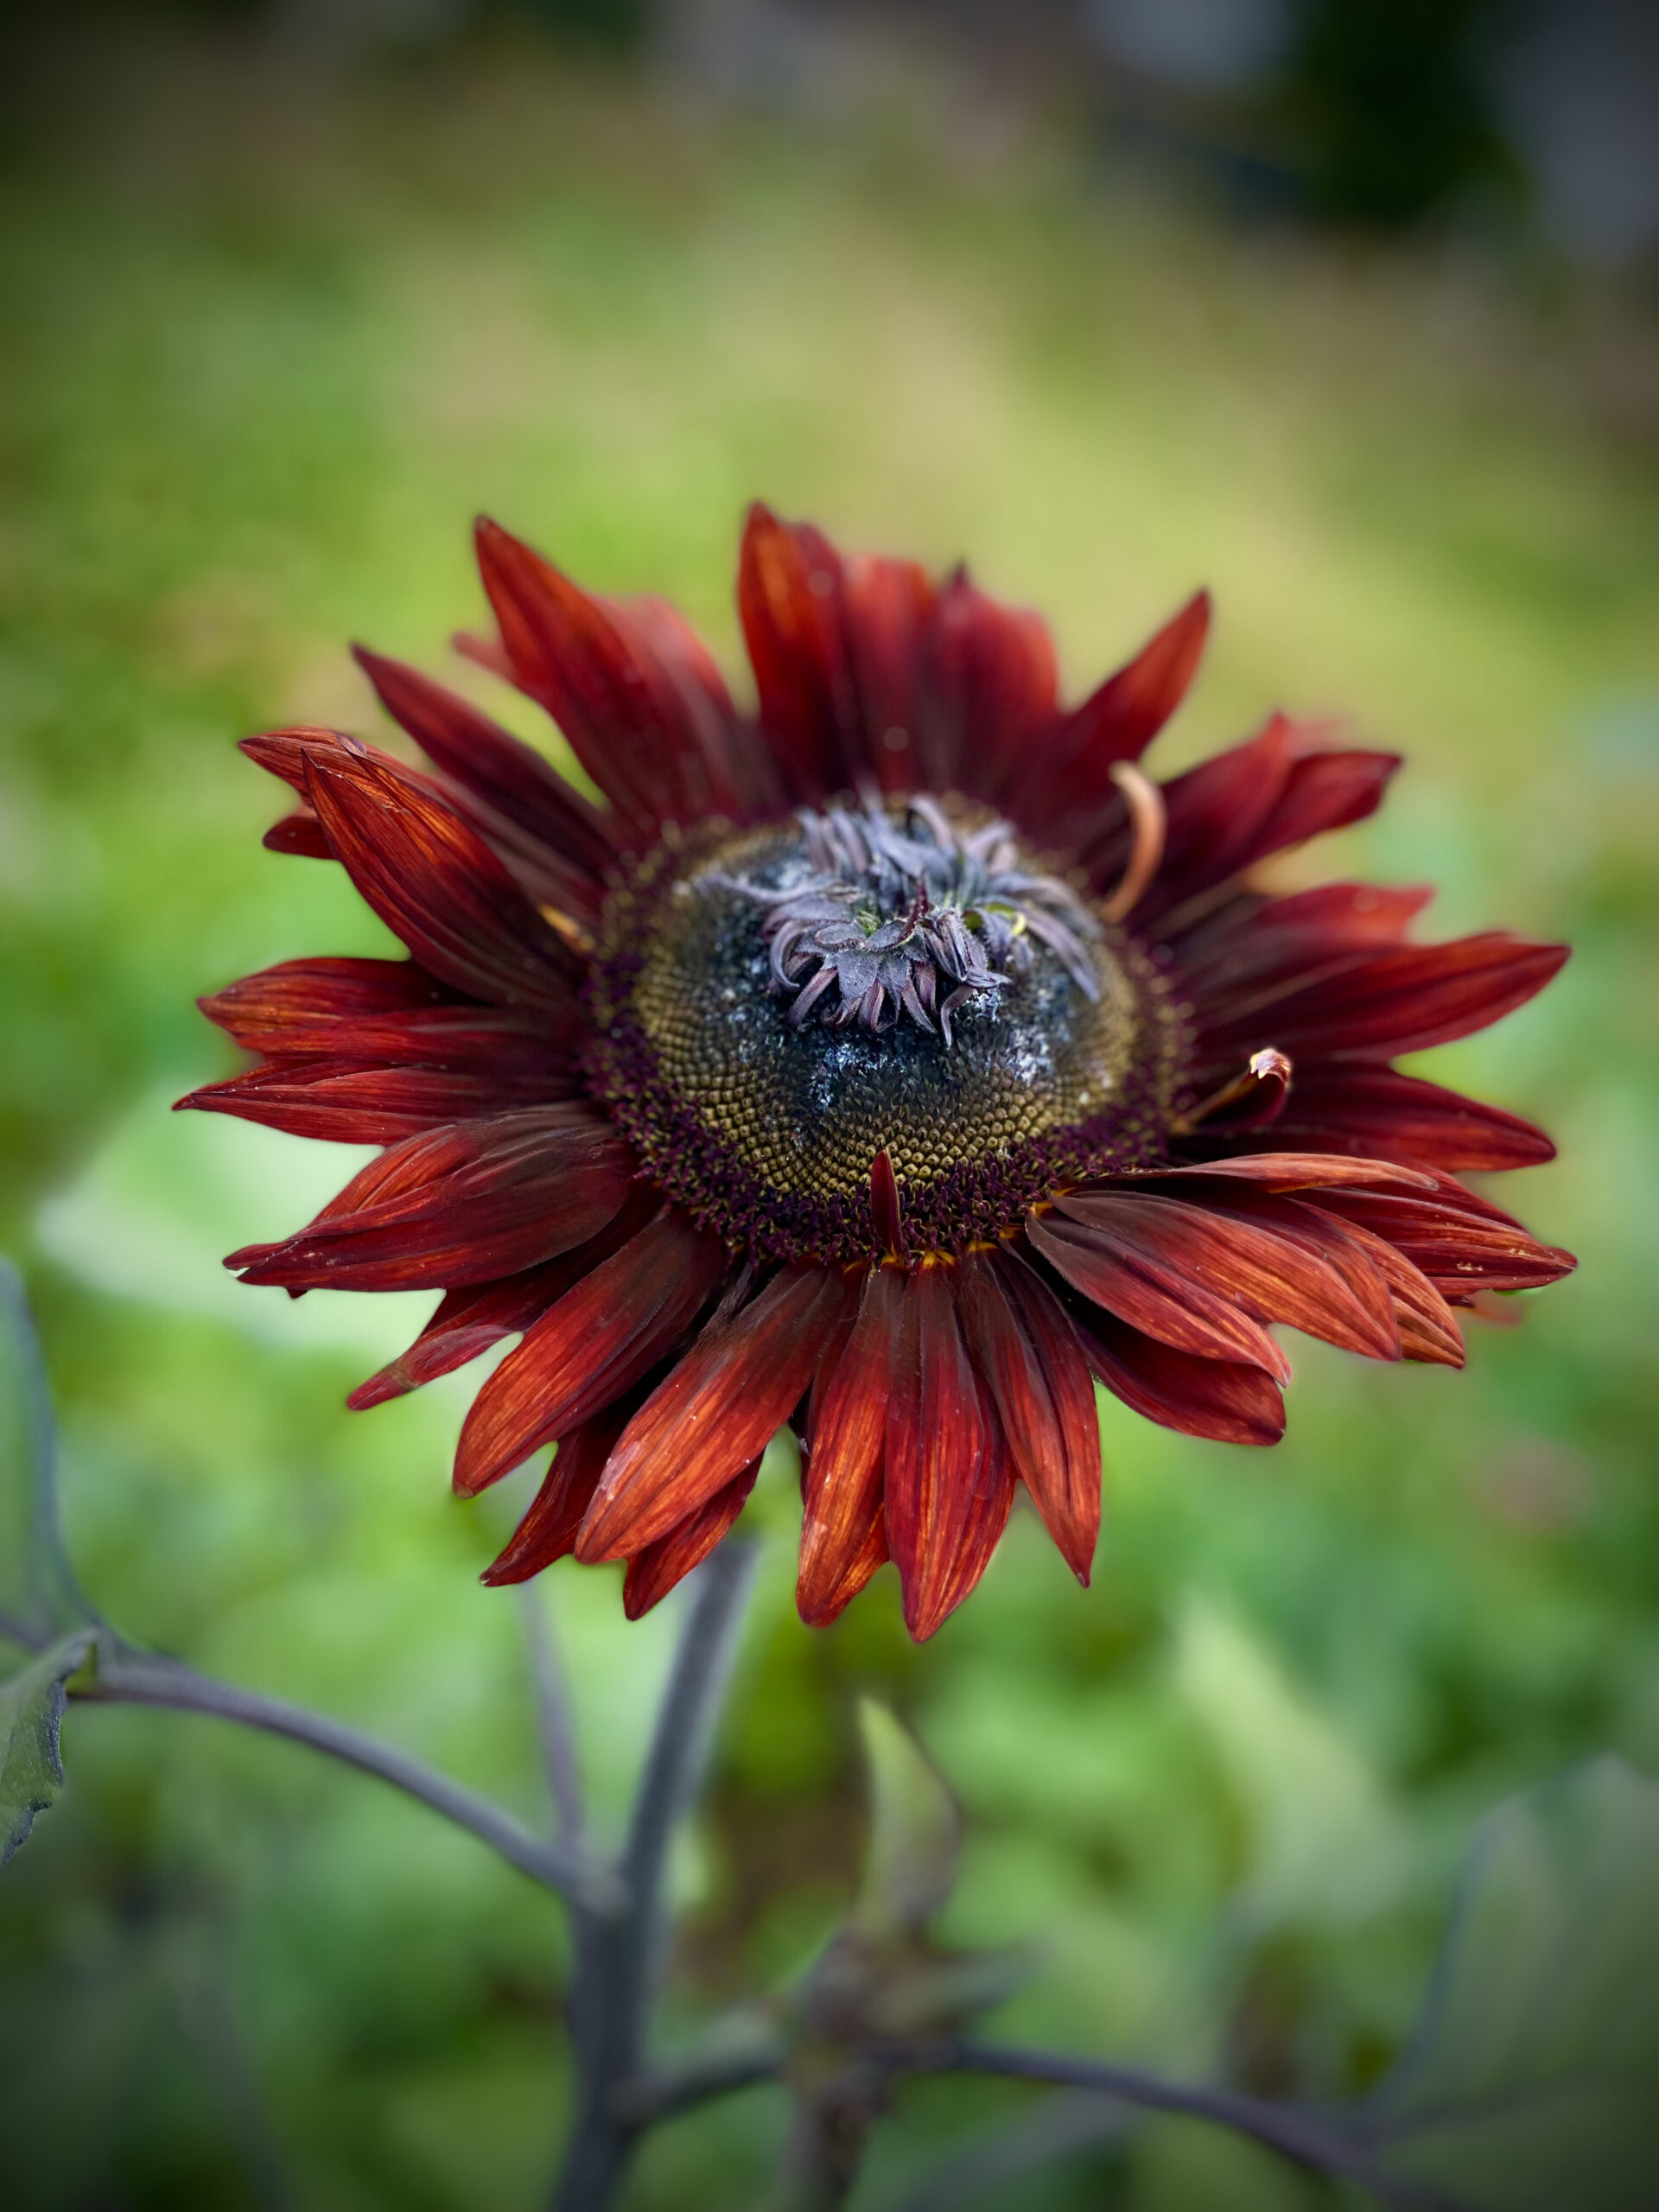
[(905, 912)]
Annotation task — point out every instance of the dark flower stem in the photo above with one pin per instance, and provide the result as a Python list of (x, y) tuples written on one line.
[(553, 1714), (126, 1678), (619, 1954)]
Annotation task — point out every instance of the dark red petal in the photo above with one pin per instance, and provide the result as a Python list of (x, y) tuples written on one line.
[(484, 653), (601, 1335), (790, 586), (1163, 1297), (299, 833), (300, 1005), (470, 1321), (467, 1322), (846, 1434), (886, 1210), (733, 763), (345, 1103), (1213, 813), (438, 886), (1117, 722), (1248, 942), (1323, 791), (1399, 1000), (388, 1010), (1459, 1243), (653, 1571), (547, 1531), (716, 1411), (992, 710), (462, 1204), (1428, 1327), (1216, 1398), (508, 776), (886, 611), (1321, 1283), (283, 752), (1380, 1113), (1257, 1251), (949, 1480), (643, 718), (1023, 1347), (829, 1596), (1280, 787), (1306, 1171)]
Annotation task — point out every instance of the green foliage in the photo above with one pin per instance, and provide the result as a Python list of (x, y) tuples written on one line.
[(1532, 2081)]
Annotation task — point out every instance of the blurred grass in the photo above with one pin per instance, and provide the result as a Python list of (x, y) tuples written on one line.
[(270, 340)]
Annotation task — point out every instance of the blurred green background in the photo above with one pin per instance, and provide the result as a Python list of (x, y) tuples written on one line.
[(275, 324)]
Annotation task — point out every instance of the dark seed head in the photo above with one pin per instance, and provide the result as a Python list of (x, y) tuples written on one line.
[(800, 997)]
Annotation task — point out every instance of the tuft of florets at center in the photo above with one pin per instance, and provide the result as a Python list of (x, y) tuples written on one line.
[(912, 916)]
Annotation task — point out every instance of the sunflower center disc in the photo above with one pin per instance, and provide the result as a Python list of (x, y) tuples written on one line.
[(771, 1015)]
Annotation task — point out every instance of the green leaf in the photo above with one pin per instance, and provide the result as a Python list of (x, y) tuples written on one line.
[(1322, 1844), (1532, 2081), (31, 1712), (40, 1600), (910, 1863)]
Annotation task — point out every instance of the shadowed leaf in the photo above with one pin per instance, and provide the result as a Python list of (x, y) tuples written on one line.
[(1532, 2081)]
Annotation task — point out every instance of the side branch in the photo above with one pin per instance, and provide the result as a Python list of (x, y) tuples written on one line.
[(1294, 2133), (125, 1678)]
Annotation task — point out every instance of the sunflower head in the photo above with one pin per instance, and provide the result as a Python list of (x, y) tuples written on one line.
[(898, 1061)]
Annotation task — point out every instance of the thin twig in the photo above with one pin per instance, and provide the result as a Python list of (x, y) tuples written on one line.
[(618, 1955), (720, 2069), (1296, 2134), (553, 1713), (127, 1679)]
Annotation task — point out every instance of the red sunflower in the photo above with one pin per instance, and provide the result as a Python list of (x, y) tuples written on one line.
[(893, 1062)]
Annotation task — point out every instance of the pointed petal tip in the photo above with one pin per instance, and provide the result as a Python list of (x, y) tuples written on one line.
[(379, 1390)]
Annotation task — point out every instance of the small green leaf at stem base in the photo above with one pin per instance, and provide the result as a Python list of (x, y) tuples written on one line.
[(31, 1713)]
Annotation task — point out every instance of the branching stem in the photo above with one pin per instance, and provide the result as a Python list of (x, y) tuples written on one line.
[(127, 1678), (1295, 2133)]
